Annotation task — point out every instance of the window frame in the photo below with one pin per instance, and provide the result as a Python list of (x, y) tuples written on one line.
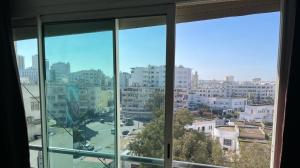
[(284, 57), (164, 10)]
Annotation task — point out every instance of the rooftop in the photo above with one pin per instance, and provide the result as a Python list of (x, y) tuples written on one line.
[(251, 133), (227, 128)]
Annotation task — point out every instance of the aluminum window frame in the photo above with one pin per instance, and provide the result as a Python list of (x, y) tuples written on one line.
[(284, 57), (158, 10)]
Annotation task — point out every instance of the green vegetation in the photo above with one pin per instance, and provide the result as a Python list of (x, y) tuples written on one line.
[(192, 146), (189, 145), (254, 155)]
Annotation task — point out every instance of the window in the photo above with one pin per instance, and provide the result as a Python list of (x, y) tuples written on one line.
[(143, 48), (75, 50), (224, 54), (107, 86), (227, 142), (25, 41)]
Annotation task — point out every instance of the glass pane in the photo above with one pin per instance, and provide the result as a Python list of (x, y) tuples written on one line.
[(225, 80), (142, 55), (25, 40), (72, 161), (80, 91)]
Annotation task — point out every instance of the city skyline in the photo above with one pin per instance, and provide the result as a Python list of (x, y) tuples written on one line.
[(202, 40)]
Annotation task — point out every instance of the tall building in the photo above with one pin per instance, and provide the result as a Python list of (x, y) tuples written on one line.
[(229, 78), (183, 77), (151, 76), (47, 69), (59, 71), (31, 74), (195, 80), (35, 62), (124, 79), (20, 62)]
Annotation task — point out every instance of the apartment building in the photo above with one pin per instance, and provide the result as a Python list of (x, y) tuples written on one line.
[(135, 102), (258, 113)]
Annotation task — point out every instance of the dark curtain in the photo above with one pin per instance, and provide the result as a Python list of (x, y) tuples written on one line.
[(14, 147), (291, 135)]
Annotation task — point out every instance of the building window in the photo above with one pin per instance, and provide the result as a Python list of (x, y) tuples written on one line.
[(227, 142)]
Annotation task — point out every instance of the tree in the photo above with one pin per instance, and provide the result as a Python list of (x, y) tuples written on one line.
[(151, 140), (182, 118), (191, 147), (254, 155)]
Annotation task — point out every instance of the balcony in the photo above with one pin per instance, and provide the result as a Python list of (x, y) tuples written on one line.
[(124, 158)]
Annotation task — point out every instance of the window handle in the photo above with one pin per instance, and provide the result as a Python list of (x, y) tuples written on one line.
[(168, 148)]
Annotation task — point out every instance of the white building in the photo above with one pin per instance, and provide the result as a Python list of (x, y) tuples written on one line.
[(35, 62), (31, 73), (203, 126), (59, 71), (216, 103), (20, 62), (258, 113), (227, 137), (91, 77), (31, 102), (135, 101), (154, 76), (195, 80), (255, 89), (124, 79), (180, 99), (183, 77), (151, 76)]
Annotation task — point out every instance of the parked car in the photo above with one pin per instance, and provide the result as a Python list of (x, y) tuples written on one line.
[(89, 147), (125, 132)]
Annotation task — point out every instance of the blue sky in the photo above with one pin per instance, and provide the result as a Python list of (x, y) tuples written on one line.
[(245, 46)]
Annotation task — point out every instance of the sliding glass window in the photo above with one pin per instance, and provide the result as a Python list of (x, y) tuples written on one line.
[(26, 49), (225, 91), (80, 92), (142, 65)]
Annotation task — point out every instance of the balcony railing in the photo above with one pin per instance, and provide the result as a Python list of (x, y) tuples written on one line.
[(128, 158)]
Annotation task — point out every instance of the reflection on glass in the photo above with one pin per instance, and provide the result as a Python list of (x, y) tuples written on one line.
[(72, 161), (80, 88), (27, 63), (142, 63)]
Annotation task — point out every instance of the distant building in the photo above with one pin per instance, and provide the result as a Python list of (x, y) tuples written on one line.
[(151, 76), (203, 126), (124, 79), (216, 103), (35, 62), (195, 81), (154, 76), (20, 62), (135, 102), (183, 77), (31, 102), (59, 71), (180, 99), (255, 90), (229, 78), (258, 113), (227, 137), (91, 77), (30, 73)]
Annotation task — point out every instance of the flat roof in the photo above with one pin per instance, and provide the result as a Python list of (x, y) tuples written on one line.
[(227, 128)]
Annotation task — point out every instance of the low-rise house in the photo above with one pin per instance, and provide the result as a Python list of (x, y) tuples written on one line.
[(228, 137), (203, 126)]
